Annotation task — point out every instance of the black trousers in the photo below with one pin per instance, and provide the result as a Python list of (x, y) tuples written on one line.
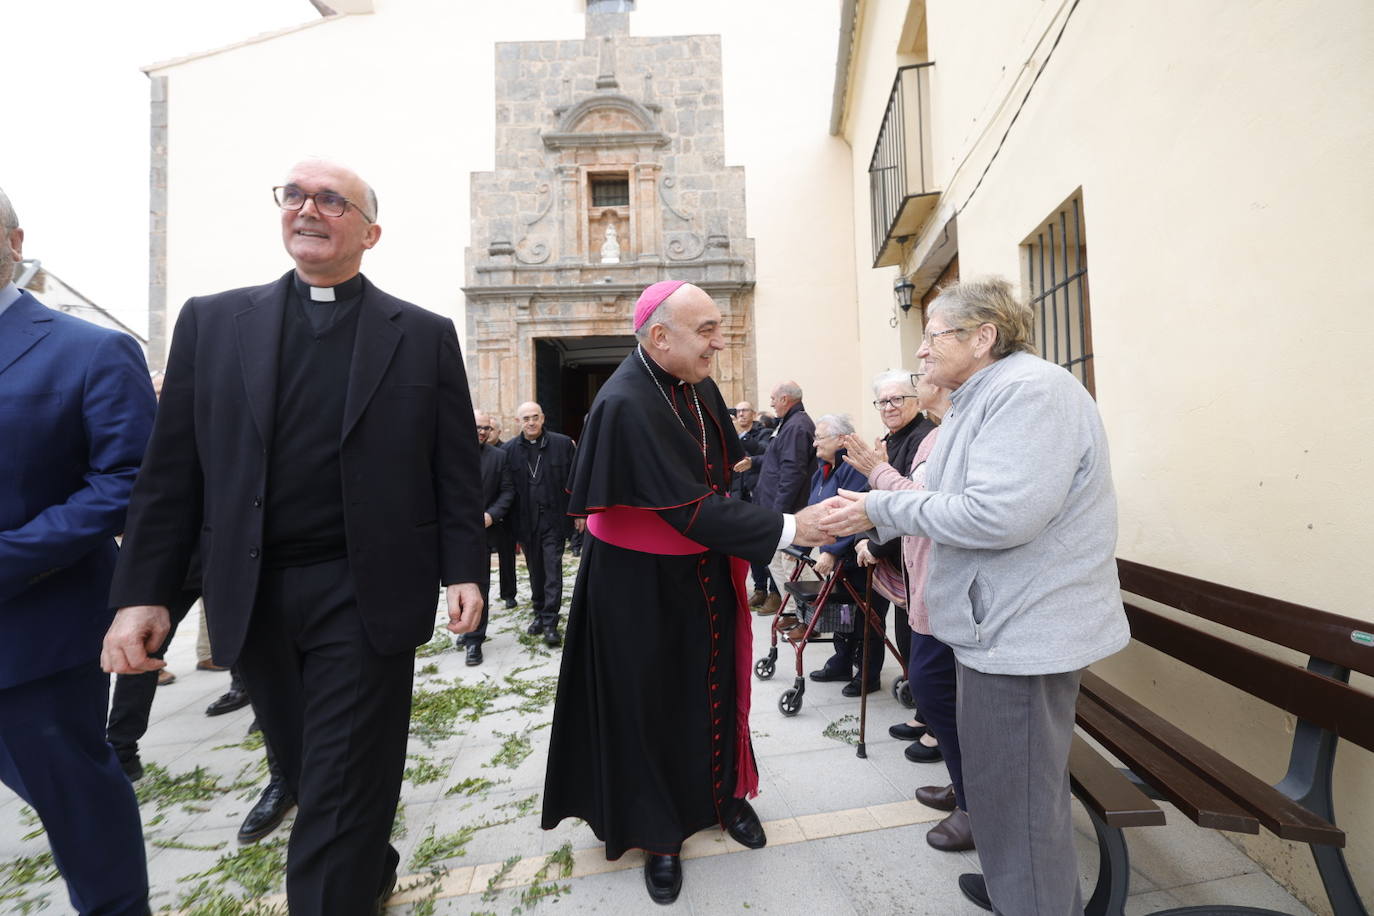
[(337, 715), (132, 700), (484, 583), (544, 557), (505, 558), (933, 686), (54, 756)]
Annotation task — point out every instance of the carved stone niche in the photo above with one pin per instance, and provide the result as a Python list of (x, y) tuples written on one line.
[(607, 148)]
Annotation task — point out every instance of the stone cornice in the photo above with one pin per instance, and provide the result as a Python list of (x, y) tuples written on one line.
[(560, 139)]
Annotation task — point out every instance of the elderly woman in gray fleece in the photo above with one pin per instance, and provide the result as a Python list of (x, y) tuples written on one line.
[(1020, 507)]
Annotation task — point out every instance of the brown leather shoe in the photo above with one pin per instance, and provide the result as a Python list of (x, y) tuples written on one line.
[(953, 834), (770, 605), (941, 798), (758, 597)]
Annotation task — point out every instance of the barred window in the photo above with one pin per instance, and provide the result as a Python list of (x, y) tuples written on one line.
[(613, 191), (1056, 275)]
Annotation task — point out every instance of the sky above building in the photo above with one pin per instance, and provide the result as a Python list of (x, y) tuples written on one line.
[(74, 151)]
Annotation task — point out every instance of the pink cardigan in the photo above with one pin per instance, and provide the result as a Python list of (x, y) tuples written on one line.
[(915, 550)]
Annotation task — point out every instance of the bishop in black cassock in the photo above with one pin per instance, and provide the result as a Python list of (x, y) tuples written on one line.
[(650, 739)]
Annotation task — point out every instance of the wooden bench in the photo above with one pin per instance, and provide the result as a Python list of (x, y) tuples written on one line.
[(1162, 761)]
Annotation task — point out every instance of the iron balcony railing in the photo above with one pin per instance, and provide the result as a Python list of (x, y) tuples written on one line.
[(901, 175)]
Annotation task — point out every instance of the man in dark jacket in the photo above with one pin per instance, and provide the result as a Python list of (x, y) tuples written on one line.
[(539, 463), (498, 492), (754, 438), (785, 480)]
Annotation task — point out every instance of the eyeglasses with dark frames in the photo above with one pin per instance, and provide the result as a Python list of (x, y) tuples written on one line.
[(328, 203), (897, 400), (485, 429)]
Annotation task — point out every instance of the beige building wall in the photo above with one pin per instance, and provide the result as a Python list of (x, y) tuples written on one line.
[(405, 95), (1222, 150)]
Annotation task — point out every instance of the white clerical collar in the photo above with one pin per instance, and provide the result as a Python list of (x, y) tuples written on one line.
[(322, 294)]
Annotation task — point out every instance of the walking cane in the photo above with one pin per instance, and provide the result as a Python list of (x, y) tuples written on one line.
[(863, 665)]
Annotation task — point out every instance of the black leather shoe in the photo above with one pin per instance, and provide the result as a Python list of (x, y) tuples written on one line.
[(852, 688), (230, 701), (474, 654), (267, 814), (744, 827), (903, 732), (917, 752), (460, 640), (972, 885), (953, 834), (941, 798), (535, 628), (509, 603), (663, 877), (133, 768), (830, 674), (552, 639)]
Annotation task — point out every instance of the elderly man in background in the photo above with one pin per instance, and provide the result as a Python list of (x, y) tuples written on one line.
[(785, 479), (314, 440), (76, 409), (1022, 513), (498, 492), (753, 438), (540, 460)]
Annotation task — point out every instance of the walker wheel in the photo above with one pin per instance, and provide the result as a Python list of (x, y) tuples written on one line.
[(764, 668), (790, 703), (901, 692)]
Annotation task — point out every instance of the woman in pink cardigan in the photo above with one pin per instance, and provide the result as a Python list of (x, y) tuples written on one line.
[(930, 663)]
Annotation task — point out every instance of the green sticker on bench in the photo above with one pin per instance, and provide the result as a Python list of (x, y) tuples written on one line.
[(1361, 637)]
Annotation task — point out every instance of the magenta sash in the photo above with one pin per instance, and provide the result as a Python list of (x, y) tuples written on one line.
[(644, 531)]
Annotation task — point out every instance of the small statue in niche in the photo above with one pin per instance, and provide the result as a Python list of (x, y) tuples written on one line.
[(610, 249)]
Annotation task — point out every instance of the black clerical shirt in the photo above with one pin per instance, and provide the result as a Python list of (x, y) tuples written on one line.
[(305, 518)]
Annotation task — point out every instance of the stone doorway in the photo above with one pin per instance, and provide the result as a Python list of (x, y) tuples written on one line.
[(568, 373)]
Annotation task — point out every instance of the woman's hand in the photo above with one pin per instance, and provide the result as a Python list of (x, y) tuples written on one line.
[(862, 457), (866, 557), (844, 514), (825, 564)]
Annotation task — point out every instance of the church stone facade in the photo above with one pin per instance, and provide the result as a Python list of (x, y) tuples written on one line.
[(610, 175)]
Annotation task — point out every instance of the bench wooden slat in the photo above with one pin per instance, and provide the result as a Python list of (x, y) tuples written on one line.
[(1330, 704), (1308, 630), (1193, 795), (1098, 784), (1276, 811)]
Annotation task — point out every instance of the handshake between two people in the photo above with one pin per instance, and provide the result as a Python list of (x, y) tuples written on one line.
[(839, 516)]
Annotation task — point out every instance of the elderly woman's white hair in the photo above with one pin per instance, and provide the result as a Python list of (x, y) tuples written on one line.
[(839, 424), (899, 377)]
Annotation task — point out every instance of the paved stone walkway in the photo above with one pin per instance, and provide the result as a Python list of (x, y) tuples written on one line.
[(844, 835)]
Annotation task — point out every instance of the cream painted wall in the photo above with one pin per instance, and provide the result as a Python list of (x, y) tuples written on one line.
[(881, 347), (1222, 150), (406, 96)]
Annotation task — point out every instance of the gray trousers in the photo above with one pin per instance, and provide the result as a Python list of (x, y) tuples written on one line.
[(1014, 736)]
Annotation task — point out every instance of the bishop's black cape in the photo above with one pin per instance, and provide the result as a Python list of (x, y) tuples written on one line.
[(644, 740)]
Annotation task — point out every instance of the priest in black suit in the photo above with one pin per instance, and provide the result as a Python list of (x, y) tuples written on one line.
[(498, 492), (650, 739), (315, 438)]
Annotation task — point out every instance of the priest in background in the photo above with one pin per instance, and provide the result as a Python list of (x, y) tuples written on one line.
[(650, 739)]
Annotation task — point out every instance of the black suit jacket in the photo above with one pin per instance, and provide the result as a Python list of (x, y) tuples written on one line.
[(498, 489), (407, 452), (542, 501)]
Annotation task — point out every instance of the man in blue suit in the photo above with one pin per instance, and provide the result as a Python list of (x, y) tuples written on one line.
[(76, 409)]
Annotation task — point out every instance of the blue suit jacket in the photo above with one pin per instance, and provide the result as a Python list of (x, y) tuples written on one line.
[(76, 409)]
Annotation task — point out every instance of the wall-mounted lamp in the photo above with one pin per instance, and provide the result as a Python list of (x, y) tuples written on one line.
[(902, 288)]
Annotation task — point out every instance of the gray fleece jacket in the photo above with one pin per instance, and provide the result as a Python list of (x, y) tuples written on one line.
[(1020, 507)]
